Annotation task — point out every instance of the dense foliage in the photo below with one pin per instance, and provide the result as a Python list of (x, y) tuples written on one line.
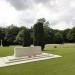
[(39, 34)]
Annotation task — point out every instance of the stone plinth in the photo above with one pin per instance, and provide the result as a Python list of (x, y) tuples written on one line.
[(27, 51)]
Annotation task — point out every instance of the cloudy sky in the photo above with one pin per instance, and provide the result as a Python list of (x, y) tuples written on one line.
[(59, 13)]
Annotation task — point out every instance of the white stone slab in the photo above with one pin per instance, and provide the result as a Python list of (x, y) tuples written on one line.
[(27, 51), (12, 60)]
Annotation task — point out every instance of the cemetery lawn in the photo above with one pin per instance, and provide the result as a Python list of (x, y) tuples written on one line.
[(57, 66)]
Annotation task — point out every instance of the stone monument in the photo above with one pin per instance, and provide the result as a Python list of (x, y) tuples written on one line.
[(27, 51)]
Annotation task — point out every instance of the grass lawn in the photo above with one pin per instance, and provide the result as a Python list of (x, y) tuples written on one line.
[(58, 66)]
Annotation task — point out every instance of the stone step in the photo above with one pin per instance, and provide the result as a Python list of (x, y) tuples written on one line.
[(13, 61), (27, 58), (21, 59), (17, 58)]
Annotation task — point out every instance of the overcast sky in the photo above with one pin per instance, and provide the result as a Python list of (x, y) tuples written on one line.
[(59, 13)]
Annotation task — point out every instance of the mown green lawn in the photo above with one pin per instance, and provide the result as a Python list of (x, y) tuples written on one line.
[(6, 51), (58, 66)]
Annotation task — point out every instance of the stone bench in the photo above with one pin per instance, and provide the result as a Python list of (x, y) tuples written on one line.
[(27, 51)]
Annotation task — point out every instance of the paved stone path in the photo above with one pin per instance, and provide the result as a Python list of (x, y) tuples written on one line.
[(11, 60)]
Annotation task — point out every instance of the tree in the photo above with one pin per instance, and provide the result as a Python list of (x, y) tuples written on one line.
[(71, 35), (48, 32), (38, 35), (58, 38), (20, 37), (10, 34), (23, 37), (48, 35), (27, 38), (65, 33), (41, 20)]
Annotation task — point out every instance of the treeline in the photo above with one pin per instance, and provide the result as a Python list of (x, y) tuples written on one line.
[(13, 35)]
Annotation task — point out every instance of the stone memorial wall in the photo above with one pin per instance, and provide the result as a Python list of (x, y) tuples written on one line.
[(27, 51)]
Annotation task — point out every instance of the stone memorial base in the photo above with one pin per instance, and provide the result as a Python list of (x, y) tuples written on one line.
[(25, 55), (27, 51)]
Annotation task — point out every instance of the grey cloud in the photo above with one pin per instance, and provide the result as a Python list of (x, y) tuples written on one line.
[(20, 4), (58, 6), (25, 4), (27, 19), (43, 1), (69, 17)]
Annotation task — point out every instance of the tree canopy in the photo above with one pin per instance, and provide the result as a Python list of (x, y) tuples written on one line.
[(39, 34)]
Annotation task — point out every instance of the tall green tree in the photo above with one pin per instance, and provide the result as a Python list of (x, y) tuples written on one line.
[(71, 35), (65, 33), (38, 34), (10, 34), (48, 32), (58, 38), (20, 37), (23, 37)]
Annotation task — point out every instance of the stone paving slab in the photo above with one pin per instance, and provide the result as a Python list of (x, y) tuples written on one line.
[(11, 60)]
